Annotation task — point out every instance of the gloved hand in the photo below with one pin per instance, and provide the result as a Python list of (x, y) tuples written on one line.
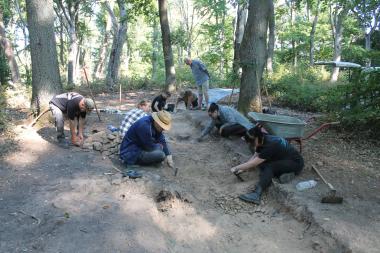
[(169, 160)]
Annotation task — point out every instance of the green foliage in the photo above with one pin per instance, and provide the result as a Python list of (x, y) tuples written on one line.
[(303, 89), (357, 104)]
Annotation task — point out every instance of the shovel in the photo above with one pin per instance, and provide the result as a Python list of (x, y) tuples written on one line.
[(332, 198)]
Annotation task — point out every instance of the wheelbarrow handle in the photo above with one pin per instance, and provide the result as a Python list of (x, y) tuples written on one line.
[(320, 128)]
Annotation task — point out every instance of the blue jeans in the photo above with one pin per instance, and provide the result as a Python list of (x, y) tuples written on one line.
[(151, 157)]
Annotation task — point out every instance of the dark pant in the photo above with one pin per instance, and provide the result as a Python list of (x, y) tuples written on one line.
[(194, 103), (151, 157), (269, 170), (59, 120), (235, 129)]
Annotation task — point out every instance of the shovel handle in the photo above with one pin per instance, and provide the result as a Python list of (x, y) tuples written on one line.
[(324, 180)]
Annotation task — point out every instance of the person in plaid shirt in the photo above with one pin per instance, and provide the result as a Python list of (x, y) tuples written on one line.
[(133, 115)]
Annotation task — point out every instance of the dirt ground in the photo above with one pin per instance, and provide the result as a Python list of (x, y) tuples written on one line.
[(74, 200)]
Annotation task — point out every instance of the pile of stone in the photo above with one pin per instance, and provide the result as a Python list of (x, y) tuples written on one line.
[(105, 142)]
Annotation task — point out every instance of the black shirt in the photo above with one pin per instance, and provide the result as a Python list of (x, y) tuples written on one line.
[(69, 103), (161, 102), (276, 148)]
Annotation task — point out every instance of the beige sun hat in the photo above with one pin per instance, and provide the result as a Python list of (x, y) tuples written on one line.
[(163, 119)]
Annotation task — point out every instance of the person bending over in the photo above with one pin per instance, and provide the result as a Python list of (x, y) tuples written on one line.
[(159, 102), (274, 156), (144, 142), (227, 120), (189, 98), (75, 107), (201, 76), (133, 115)]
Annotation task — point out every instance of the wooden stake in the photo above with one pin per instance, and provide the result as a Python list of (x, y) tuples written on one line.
[(91, 94)]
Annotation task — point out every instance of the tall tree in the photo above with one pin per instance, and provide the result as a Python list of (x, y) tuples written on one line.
[(338, 12), (8, 50), (271, 39), (253, 54), (241, 20), (167, 46), (70, 11), (119, 38), (45, 72), (99, 68), (312, 32)]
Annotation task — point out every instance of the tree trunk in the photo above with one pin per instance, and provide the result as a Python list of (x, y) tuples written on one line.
[(155, 50), (117, 46), (99, 69), (45, 72), (167, 46), (271, 24), (312, 33), (73, 50), (253, 55), (294, 44), (241, 20), (368, 48), (8, 50), (337, 29)]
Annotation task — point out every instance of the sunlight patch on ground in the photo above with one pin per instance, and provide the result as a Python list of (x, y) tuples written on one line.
[(32, 147)]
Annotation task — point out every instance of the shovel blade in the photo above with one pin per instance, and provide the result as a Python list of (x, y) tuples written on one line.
[(332, 200)]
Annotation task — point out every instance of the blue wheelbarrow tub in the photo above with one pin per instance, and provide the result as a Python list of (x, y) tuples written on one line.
[(279, 125)]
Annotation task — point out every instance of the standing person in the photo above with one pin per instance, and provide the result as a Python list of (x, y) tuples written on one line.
[(133, 115), (159, 102), (75, 107), (201, 77), (274, 156), (144, 143), (189, 98), (227, 120)]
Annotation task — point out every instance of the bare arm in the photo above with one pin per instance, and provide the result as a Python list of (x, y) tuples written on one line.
[(73, 126), (252, 163), (156, 106), (81, 127)]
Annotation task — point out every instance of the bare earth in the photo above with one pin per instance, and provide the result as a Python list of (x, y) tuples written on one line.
[(59, 200)]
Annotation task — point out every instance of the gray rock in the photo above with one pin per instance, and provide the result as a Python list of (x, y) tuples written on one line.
[(97, 146)]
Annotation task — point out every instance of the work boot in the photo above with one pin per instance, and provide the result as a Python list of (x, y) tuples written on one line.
[(286, 177), (253, 197)]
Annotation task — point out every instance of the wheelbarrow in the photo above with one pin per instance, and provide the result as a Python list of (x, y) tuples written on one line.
[(290, 128)]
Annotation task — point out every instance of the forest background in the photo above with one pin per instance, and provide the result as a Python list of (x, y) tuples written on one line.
[(141, 44)]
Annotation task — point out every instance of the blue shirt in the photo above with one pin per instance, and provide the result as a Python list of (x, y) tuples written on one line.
[(199, 72), (228, 116), (141, 136)]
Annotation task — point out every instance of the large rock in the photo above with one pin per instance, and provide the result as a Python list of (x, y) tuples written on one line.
[(97, 146)]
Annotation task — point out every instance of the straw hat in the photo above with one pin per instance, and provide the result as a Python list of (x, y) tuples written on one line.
[(163, 119)]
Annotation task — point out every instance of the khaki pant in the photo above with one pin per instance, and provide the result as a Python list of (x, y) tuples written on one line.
[(203, 91)]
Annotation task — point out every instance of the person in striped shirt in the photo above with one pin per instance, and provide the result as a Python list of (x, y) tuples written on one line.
[(133, 115)]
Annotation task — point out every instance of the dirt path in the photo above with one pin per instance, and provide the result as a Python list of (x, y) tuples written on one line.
[(57, 200)]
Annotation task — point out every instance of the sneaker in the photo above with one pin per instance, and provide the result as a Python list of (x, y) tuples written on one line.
[(286, 178)]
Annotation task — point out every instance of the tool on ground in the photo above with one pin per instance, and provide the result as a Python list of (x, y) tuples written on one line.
[(175, 170), (332, 198), (238, 176), (38, 117), (91, 94)]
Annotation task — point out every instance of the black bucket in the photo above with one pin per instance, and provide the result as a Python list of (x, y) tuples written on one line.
[(170, 108)]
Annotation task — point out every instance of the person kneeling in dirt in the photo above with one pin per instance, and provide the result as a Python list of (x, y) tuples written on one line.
[(134, 115), (227, 120), (75, 107), (189, 98), (144, 143), (159, 102), (274, 156)]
